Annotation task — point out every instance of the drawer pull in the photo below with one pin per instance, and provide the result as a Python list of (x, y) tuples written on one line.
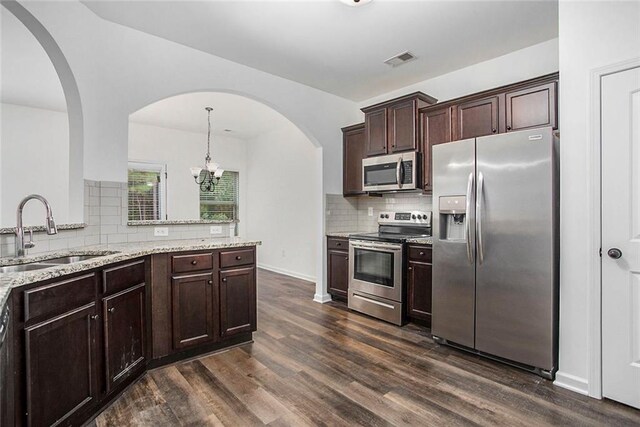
[(238, 257), (421, 253), (338, 244), (194, 262)]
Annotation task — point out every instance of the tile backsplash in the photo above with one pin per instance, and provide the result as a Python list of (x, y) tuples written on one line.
[(105, 215), (352, 213)]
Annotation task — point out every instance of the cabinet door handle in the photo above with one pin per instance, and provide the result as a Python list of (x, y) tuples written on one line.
[(493, 130), (194, 262), (410, 268), (508, 127), (224, 279), (94, 317), (111, 310), (210, 282), (238, 257), (347, 258)]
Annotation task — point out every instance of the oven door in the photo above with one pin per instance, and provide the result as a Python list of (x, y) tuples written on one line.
[(390, 173), (376, 268)]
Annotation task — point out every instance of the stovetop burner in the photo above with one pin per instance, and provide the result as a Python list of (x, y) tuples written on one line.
[(397, 227)]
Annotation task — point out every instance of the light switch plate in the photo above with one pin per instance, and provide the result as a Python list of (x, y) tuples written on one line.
[(215, 229), (161, 231)]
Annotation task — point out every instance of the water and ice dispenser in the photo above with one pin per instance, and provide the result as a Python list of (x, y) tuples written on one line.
[(453, 215)]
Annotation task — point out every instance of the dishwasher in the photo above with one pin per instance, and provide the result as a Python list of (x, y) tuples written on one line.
[(4, 362)]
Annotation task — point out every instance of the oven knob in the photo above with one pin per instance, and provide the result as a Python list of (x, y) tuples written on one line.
[(386, 215), (413, 216), (381, 215), (419, 216)]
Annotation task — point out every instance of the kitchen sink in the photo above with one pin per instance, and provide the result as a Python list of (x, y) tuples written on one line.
[(24, 267), (69, 259)]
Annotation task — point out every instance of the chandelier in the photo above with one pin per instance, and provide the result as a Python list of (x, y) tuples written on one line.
[(212, 171)]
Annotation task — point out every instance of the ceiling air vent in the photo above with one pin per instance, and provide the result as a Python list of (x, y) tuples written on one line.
[(401, 58)]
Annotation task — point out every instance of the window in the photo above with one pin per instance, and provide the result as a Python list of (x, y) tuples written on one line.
[(146, 191), (222, 202)]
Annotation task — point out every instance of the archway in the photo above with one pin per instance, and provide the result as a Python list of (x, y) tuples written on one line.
[(277, 166), (73, 106)]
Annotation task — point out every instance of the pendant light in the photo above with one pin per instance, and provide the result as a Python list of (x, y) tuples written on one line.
[(212, 171)]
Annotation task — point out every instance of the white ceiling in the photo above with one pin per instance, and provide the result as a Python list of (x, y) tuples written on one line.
[(27, 73), (339, 49), (245, 117)]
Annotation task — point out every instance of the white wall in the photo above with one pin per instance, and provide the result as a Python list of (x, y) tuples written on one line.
[(34, 158), (282, 209), (179, 150), (592, 35), (516, 66)]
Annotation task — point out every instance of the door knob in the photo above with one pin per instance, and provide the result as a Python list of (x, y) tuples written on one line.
[(614, 253)]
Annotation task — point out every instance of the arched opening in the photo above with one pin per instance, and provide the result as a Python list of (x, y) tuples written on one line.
[(42, 129), (272, 167)]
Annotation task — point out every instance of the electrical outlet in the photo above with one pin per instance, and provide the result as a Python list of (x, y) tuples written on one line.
[(161, 231), (370, 211), (215, 229)]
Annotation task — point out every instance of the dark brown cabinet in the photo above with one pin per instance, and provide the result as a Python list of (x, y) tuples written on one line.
[(531, 107), (61, 368), (124, 334), (419, 283), (352, 154), (436, 129), (338, 267), (392, 126), (477, 118), (192, 310), (237, 301)]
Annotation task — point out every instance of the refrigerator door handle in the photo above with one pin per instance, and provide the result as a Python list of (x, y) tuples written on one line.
[(467, 225), (479, 200)]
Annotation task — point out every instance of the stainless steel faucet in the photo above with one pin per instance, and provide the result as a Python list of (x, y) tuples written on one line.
[(50, 224)]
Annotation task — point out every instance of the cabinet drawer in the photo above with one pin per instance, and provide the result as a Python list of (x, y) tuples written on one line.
[(236, 257), (191, 262), (420, 253), (337, 244), (122, 277), (57, 298)]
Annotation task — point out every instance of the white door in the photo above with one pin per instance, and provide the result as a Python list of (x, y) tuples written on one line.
[(620, 115)]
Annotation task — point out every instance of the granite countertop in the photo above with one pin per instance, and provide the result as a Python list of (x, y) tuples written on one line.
[(108, 254), (343, 233)]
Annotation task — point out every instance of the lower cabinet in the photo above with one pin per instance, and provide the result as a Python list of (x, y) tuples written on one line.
[(338, 267), (237, 301), (124, 334), (419, 287), (192, 310), (61, 366)]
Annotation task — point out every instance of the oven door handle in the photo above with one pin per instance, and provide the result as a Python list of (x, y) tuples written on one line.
[(395, 248)]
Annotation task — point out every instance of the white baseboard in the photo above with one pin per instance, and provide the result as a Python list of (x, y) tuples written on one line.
[(287, 272), (322, 298), (572, 382)]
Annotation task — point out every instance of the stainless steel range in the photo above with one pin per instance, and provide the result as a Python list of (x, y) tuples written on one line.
[(377, 264)]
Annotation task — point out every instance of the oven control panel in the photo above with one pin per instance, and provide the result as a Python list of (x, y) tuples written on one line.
[(413, 217)]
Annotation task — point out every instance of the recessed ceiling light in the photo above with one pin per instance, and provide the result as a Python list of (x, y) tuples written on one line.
[(401, 58), (355, 3)]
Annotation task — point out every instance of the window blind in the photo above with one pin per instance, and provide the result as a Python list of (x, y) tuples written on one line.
[(144, 195), (222, 202)]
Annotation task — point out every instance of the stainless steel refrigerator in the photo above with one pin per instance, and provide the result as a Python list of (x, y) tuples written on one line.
[(495, 248)]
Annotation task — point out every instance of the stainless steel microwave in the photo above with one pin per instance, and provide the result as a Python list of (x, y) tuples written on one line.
[(392, 172)]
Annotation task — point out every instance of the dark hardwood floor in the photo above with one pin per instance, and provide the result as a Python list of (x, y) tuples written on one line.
[(320, 364)]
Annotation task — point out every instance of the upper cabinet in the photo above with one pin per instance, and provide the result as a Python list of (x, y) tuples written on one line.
[(531, 107), (529, 104), (477, 118), (392, 126), (352, 155)]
